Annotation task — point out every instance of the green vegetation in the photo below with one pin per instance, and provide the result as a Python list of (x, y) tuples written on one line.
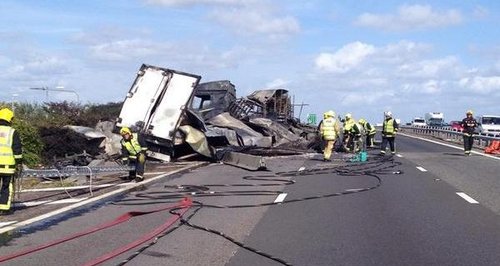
[(31, 118)]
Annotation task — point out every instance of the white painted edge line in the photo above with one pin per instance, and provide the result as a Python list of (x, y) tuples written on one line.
[(154, 173), (421, 169), (281, 197), (399, 155), (48, 202), (92, 200), (449, 145), (65, 188), (467, 198), (2, 224)]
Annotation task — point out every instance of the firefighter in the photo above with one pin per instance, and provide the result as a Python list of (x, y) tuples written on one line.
[(469, 124), (389, 129), (11, 156), (133, 153), (353, 133), (329, 129), (369, 131)]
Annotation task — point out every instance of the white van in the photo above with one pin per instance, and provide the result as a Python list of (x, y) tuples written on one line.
[(489, 124), (418, 122)]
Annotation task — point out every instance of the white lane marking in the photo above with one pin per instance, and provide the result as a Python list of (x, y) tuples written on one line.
[(399, 155), (48, 202), (280, 198), (2, 224), (467, 198), (449, 145), (65, 188), (129, 187), (154, 173), (421, 169)]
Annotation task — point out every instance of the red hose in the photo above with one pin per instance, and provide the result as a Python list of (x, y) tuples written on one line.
[(185, 207), (184, 204)]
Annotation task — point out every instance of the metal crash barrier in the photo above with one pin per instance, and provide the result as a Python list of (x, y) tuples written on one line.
[(448, 134)]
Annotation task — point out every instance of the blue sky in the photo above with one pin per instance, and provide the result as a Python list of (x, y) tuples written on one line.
[(362, 57)]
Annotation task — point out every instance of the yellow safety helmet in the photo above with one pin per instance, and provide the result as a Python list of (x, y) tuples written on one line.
[(362, 121), (6, 114), (329, 114), (469, 112), (125, 130), (348, 116)]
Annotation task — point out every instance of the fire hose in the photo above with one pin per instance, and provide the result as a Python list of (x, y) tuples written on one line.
[(182, 205)]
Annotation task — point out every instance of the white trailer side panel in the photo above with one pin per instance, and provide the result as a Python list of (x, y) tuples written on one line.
[(140, 99), (164, 121)]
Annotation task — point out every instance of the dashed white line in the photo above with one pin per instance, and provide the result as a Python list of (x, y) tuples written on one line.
[(421, 169), (467, 198), (281, 197)]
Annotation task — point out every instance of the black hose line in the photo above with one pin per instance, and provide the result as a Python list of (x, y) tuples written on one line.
[(372, 169)]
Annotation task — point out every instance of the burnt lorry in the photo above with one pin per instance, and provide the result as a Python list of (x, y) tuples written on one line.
[(155, 105)]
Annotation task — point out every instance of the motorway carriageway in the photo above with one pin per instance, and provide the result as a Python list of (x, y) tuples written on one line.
[(428, 205)]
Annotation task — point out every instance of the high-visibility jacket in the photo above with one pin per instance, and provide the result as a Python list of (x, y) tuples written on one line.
[(329, 129), (7, 159), (390, 127), (353, 128), (132, 147), (370, 130)]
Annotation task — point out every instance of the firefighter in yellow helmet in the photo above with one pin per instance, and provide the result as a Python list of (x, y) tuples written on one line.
[(329, 129), (389, 129), (370, 132), (133, 153), (11, 155), (353, 134), (469, 124)]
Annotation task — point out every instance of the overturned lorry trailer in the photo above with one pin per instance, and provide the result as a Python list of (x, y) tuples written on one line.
[(155, 105)]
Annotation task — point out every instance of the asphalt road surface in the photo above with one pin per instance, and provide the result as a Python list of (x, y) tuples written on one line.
[(429, 205)]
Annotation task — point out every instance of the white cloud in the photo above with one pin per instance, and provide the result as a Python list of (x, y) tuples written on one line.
[(480, 12), (410, 17), (256, 20), (481, 84), (244, 17), (277, 83), (432, 68), (345, 59), (127, 49)]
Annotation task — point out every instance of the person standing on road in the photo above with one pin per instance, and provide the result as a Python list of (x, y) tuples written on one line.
[(353, 134), (11, 155), (469, 124), (329, 129), (369, 131), (133, 153), (389, 129)]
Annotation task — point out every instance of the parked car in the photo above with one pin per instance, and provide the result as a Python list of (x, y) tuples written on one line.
[(456, 125)]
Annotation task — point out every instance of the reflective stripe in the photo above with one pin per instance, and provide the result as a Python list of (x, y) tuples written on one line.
[(6, 154), (370, 129), (133, 147), (388, 127), (328, 129), (6, 206)]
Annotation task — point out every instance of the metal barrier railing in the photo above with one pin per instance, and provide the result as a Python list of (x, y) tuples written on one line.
[(446, 133)]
